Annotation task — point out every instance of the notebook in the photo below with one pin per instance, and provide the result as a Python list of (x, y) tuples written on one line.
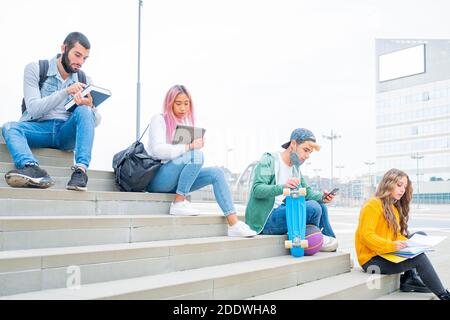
[(417, 244), (98, 96)]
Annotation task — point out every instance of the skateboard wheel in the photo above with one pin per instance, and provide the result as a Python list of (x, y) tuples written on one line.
[(288, 244), (299, 243), (296, 242), (304, 244), (302, 191), (286, 192)]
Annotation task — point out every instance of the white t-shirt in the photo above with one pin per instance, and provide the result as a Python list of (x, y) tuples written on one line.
[(285, 172)]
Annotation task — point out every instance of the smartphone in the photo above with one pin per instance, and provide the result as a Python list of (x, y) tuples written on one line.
[(334, 191)]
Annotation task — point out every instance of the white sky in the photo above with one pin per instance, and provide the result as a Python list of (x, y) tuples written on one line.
[(257, 69)]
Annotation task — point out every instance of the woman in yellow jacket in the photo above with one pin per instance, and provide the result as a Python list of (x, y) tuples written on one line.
[(382, 229)]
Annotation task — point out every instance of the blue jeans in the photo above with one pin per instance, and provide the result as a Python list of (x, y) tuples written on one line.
[(76, 133), (185, 174), (316, 214)]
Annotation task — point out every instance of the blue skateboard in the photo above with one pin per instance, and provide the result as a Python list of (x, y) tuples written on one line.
[(296, 221)]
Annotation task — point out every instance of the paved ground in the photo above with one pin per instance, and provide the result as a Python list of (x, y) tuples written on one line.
[(434, 220)]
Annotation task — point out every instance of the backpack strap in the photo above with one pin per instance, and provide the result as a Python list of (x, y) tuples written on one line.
[(82, 76), (144, 132), (43, 69)]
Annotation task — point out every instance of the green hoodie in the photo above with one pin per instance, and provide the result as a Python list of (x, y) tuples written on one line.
[(265, 189)]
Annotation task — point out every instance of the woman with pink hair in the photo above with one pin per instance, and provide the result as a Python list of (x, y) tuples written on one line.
[(182, 170)]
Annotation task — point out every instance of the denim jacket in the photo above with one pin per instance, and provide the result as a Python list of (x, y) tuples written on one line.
[(47, 103)]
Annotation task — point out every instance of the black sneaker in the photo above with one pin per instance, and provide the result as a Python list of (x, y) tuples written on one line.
[(444, 296), (31, 176), (410, 281), (78, 181)]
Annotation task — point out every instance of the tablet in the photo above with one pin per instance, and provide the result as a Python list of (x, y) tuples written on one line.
[(187, 134)]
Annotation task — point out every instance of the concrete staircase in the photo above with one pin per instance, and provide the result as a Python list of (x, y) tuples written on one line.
[(349, 286), (104, 244)]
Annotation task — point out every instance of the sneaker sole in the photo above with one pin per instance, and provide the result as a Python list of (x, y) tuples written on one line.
[(20, 181), (76, 188), (184, 215), (332, 248), (241, 236), (406, 288)]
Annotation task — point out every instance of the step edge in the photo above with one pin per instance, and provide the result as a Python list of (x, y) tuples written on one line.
[(324, 293), (114, 248), (107, 290)]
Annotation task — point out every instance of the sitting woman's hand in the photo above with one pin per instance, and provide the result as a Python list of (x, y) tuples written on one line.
[(400, 244), (197, 144)]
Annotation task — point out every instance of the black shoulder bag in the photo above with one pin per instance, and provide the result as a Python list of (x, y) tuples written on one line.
[(134, 168)]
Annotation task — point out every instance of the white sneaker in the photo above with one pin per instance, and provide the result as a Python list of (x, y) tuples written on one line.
[(240, 229), (183, 208), (330, 244)]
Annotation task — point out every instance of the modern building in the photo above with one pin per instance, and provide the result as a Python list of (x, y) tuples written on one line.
[(413, 114)]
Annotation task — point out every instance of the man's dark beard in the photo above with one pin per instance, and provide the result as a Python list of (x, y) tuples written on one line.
[(66, 63)]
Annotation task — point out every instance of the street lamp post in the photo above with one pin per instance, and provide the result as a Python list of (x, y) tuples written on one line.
[(370, 164), (307, 164), (340, 167), (138, 89), (331, 137), (340, 184), (317, 172), (417, 157), (228, 150)]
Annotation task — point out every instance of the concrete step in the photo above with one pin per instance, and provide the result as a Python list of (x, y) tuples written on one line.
[(98, 180), (355, 285), (33, 270), (64, 172), (61, 183), (227, 281), (46, 157), (19, 233), (49, 202), (397, 295)]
